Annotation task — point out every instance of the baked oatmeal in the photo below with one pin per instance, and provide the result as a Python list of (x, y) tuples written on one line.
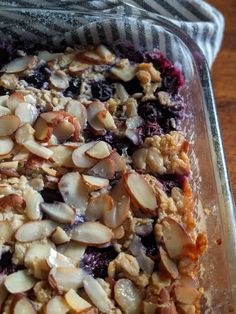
[(96, 208)]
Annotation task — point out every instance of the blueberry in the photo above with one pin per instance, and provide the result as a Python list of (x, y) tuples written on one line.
[(125, 49), (169, 181), (102, 90), (38, 78), (5, 261), (96, 260), (74, 87), (151, 246), (51, 196)]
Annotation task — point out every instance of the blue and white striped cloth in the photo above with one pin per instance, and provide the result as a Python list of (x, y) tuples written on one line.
[(197, 18)]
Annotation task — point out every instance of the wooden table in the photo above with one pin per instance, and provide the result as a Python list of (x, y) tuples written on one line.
[(224, 81)]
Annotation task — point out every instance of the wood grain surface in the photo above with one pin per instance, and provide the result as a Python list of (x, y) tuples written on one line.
[(224, 81)]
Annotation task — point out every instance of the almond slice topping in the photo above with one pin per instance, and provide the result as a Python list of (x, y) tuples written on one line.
[(99, 205), (74, 251), (125, 74), (27, 113), (59, 80), (32, 199), (94, 122), (53, 117), (24, 133), (80, 159), (97, 294), (168, 264), (98, 151), (92, 233), (62, 155), (56, 259), (18, 65), (8, 124), (175, 238), (59, 212), (6, 230), (120, 211), (59, 236), (94, 183), (63, 131), (19, 281), (73, 191), (186, 295), (128, 296), (57, 305), (66, 278), (12, 200), (14, 100), (38, 149), (105, 168), (6, 145), (106, 119), (22, 305), (140, 192), (43, 132), (75, 302), (76, 109), (35, 230), (35, 259)]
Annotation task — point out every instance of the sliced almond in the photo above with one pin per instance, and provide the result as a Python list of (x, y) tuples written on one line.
[(105, 53), (59, 212), (186, 295), (62, 156), (94, 122), (99, 150), (155, 161), (75, 108), (140, 192), (11, 200), (27, 113), (125, 74), (80, 159), (48, 56), (140, 158), (35, 230), (32, 199), (18, 65), (73, 191), (65, 278), (38, 149), (3, 100), (59, 236), (128, 296), (6, 145), (3, 291), (97, 294), (106, 119), (9, 165), (22, 305), (8, 124), (35, 259), (175, 238), (120, 211), (94, 183), (6, 230), (98, 205), (53, 117), (4, 111), (19, 281), (105, 168), (22, 155), (76, 67), (92, 57), (120, 165), (92, 233), (24, 134), (43, 132), (57, 305), (56, 259), (75, 302), (59, 80), (63, 131), (168, 264), (75, 251)]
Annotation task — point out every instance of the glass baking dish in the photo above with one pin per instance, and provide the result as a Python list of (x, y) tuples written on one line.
[(59, 26)]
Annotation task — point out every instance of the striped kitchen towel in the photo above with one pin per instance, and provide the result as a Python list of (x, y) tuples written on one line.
[(197, 18)]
